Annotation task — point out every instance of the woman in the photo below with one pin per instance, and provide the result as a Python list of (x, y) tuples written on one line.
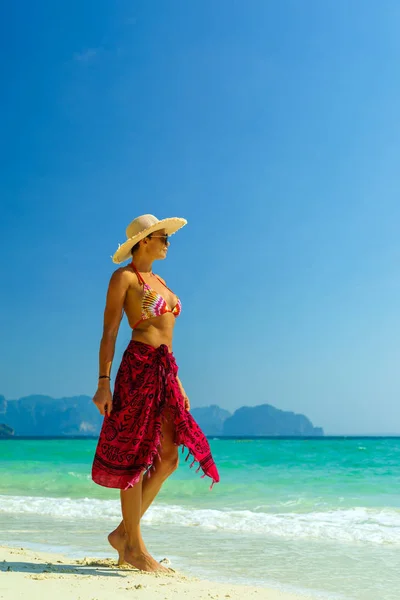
[(147, 417)]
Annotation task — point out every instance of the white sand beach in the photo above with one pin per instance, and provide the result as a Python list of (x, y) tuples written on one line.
[(42, 576)]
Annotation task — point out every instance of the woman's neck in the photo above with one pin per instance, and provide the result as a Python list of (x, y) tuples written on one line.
[(143, 264)]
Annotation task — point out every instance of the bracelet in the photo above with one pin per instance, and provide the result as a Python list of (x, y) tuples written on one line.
[(104, 377)]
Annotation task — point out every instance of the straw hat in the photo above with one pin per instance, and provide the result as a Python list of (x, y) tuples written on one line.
[(140, 228)]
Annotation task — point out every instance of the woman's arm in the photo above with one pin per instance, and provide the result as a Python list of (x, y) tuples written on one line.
[(118, 286)]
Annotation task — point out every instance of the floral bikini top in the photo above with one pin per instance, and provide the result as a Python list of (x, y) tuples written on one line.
[(153, 304)]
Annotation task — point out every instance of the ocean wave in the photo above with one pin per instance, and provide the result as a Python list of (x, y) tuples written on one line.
[(360, 524), (81, 476)]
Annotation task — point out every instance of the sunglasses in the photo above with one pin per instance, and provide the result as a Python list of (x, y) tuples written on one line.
[(162, 237)]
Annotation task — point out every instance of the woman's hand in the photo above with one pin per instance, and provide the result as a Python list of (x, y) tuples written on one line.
[(187, 403), (185, 398), (103, 399)]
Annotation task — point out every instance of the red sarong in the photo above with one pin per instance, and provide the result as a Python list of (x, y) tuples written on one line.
[(129, 442)]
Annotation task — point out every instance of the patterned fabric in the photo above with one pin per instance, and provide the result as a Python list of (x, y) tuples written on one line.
[(153, 304), (146, 387)]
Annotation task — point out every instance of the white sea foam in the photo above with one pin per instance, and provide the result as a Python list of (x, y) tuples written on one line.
[(345, 525), (81, 476)]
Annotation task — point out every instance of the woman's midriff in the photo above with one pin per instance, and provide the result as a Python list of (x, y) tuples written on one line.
[(156, 332)]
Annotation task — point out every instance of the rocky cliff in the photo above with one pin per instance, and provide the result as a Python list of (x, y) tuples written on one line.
[(45, 416)]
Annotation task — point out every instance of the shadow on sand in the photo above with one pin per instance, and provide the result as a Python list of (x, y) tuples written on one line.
[(105, 568)]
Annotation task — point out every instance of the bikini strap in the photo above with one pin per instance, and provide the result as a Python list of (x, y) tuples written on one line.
[(138, 274)]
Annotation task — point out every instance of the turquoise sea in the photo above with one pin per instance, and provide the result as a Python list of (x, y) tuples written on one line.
[(315, 515)]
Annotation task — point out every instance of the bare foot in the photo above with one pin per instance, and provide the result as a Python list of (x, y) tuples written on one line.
[(118, 542), (143, 561)]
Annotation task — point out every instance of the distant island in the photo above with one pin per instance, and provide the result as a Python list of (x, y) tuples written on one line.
[(77, 416), (5, 431)]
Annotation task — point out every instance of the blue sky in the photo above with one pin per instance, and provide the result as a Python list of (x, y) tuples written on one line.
[(274, 128)]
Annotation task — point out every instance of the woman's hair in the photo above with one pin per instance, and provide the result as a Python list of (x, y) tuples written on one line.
[(136, 246)]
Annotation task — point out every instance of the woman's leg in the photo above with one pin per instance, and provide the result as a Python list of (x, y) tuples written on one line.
[(163, 466), (136, 553), (151, 485)]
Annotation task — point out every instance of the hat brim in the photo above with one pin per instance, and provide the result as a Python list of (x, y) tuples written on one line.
[(171, 226)]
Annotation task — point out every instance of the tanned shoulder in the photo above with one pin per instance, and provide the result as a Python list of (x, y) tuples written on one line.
[(122, 277)]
